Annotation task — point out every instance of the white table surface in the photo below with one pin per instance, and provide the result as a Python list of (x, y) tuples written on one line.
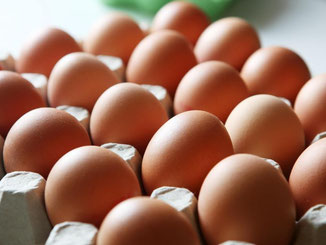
[(296, 24)]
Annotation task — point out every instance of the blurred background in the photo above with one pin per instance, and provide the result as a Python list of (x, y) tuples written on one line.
[(296, 24)]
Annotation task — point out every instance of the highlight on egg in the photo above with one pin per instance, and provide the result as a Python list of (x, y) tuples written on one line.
[(231, 40), (126, 113), (86, 183), (183, 151), (244, 198), (310, 106), (78, 79), (39, 138), (308, 176), (17, 96), (212, 86), (266, 126), (114, 34), (146, 221), (183, 17), (161, 58), (42, 50), (275, 70)]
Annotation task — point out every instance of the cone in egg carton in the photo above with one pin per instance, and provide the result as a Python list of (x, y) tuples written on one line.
[(23, 218), (72, 233), (7, 61)]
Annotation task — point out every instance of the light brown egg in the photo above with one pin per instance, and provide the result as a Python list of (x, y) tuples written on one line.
[(126, 113), (86, 183), (310, 106), (162, 58), (183, 17), (183, 151), (266, 126), (78, 79), (275, 70), (39, 138), (145, 221), (43, 49), (17, 96), (115, 34), (230, 39), (308, 177), (211, 86), (244, 198)]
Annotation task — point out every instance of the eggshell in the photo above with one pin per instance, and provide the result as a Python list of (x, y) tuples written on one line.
[(275, 70), (145, 221), (114, 34), (230, 39), (162, 58), (183, 17), (86, 183), (183, 151), (39, 138), (17, 96), (126, 113), (244, 198), (308, 177), (310, 106), (78, 79), (43, 49), (266, 126), (211, 86)]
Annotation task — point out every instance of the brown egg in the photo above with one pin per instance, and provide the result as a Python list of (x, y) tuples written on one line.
[(126, 113), (184, 150), (183, 17), (244, 198), (145, 221), (308, 177), (230, 39), (310, 106), (162, 58), (266, 126), (86, 183), (39, 138), (275, 70), (17, 96), (43, 49), (115, 34), (211, 86), (78, 79)]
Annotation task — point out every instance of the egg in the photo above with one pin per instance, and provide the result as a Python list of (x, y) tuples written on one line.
[(212, 86), (162, 58), (115, 34), (78, 79), (308, 177), (126, 113), (43, 49), (39, 138), (275, 70), (310, 106), (17, 96), (145, 221), (230, 39), (266, 126), (86, 183), (183, 151), (183, 17), (244, 198)]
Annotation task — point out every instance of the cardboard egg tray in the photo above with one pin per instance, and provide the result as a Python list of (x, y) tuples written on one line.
[(23, 217)]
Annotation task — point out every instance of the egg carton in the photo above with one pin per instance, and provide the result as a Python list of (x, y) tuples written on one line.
[(24, 220)]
